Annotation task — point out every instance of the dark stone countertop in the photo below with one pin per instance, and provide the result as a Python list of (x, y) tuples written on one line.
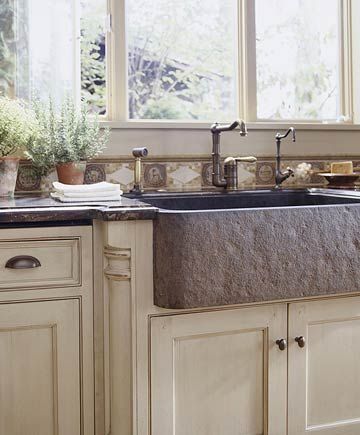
[(42, 208)]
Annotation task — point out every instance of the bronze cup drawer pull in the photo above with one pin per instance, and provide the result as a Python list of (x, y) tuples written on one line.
[(22, 262)]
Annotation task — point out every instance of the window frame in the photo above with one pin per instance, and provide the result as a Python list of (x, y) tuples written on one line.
[(117, 74)]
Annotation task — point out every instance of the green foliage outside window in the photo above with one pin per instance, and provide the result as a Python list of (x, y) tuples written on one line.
[(7, 43), (93, 65)]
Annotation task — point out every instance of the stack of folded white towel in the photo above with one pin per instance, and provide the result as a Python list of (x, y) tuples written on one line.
[(98, 192)]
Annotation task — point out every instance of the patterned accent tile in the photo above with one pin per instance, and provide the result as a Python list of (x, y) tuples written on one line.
[(95, 173), (206, 174), (246, 174), (317, 166), (179, 175), (46, 182), (309, 180), (28, 179), (265, 173), (291, 181), (356, 164), (122, 173), (155, 175), (186, 175)]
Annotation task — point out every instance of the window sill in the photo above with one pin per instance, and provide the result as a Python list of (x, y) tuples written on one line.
[(180, 125)]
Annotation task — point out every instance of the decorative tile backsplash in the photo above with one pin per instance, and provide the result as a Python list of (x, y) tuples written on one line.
[(180, 173)]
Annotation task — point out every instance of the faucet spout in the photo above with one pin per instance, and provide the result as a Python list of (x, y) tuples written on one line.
[(219, 128), (243, 129), (283, 136)]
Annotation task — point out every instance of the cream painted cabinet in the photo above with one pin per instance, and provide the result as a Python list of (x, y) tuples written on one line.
[(219, 373), (39, 368), (324, 374), (47, 376)]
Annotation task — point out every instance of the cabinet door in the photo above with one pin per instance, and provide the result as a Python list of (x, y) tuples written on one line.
[(39, 368), (324, 375), (219, 373)]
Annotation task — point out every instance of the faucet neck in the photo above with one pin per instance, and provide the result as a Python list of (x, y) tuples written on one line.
[(278, 155), (217, 178)]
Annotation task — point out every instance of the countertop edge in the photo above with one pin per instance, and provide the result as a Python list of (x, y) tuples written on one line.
[(37, 209)]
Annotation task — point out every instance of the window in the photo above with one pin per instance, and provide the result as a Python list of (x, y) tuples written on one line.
[(194, 60)]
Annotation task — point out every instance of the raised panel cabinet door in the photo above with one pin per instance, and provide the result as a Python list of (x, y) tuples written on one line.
[(324, 367), (219, 373), (40, 368)]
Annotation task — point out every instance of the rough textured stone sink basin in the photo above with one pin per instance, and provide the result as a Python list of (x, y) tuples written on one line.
[(248, 199), (283, 246)]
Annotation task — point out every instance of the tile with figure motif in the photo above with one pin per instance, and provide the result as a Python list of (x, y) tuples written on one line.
[(28, 179), (154, 175), (95, 173), (206, 174), (265, 173)]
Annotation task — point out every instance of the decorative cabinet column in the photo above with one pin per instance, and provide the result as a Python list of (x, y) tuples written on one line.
[(118, 306), (127, 273)]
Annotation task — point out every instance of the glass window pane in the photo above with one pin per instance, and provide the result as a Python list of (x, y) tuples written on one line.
[(182, 59), (48, 45), (40, 54), (7, 49), (297, 55), (93, 54)]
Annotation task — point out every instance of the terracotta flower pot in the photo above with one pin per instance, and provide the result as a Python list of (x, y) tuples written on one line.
[(8, 174), (71, 173)]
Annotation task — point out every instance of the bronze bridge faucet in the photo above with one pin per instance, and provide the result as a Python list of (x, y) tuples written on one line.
[(230, 179)]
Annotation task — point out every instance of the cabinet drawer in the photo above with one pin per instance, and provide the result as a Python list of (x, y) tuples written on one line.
[(53, 262)]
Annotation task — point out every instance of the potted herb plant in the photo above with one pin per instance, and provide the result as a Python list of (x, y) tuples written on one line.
[(18, 131), (68, 138)]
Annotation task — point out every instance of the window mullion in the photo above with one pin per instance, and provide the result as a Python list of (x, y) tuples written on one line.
[(355, 46), (77, 52), (247, 59), (346, 68), (117, 62)]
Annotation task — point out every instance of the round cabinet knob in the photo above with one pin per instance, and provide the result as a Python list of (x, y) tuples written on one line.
[(281, 343), (300, 341)]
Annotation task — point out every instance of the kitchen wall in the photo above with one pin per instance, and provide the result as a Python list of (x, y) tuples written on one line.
[(323, 140), (180, 159)]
